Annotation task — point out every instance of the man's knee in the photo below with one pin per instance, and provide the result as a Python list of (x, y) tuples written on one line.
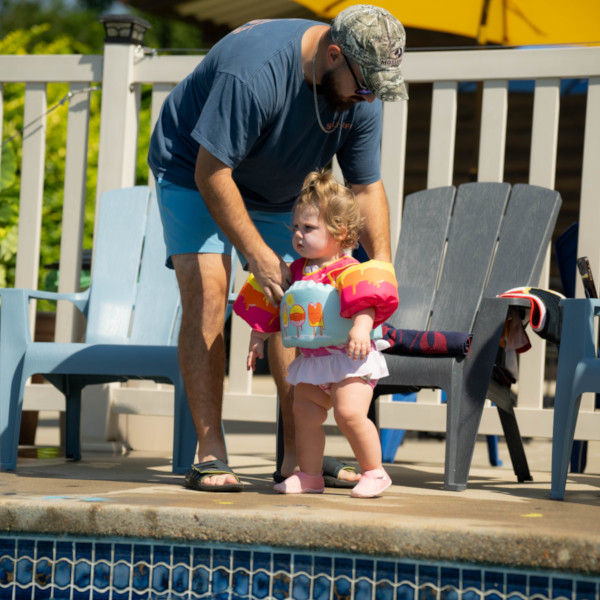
[(204, 285)]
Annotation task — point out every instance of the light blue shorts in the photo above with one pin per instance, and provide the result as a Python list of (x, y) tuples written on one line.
[(190, 229)]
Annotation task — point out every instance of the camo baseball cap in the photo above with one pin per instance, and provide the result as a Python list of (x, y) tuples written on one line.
[(375, 39)]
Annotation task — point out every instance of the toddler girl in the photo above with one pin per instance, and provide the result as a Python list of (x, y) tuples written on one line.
[(338, 365)]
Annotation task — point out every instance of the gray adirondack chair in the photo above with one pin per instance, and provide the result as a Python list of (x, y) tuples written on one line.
[(457, 250), (132, 309)]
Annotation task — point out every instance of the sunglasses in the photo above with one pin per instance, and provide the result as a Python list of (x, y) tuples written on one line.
[(361, 90)]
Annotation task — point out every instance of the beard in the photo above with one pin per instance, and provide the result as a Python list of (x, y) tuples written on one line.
[(328, 90)]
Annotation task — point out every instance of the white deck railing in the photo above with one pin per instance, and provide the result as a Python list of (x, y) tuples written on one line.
[(123, 69)]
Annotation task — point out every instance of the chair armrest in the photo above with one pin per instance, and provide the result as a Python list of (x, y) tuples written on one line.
[(594, 303), (578, 316), (487, 332), (79, 299)]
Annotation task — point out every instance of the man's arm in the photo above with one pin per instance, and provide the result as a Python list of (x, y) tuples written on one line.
[(375, 234), (224, 202)]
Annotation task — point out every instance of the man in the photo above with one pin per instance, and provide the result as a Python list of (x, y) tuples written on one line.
[(272, 101)]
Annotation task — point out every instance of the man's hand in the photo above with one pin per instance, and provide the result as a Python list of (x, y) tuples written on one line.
[(273, 275)]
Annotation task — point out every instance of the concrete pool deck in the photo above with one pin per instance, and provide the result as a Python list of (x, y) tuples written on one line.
[(495, 521)]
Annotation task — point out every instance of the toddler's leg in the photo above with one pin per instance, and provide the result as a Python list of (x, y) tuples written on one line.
[(351, 400), (311, 404)]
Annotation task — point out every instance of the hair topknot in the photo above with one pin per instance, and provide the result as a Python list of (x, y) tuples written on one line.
[(336, 204)]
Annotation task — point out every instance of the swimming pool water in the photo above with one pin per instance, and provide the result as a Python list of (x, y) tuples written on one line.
[(35, 567)]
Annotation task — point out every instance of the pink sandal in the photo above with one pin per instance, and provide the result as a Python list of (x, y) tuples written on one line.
[(371, 484), (301, 483)]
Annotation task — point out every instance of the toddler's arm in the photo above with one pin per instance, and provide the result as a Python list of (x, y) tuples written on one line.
[(358, 345), (257, 348)]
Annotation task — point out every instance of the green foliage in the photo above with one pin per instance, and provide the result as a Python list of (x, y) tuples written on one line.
[(61, 27), (60, 18), (29, 42)]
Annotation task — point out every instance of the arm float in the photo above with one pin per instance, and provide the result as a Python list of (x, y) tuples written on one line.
[(371, 284), (253, 306)]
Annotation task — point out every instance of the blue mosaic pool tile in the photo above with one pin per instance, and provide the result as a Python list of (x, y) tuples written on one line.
[(118, 570), (301, 587), (161, 555), (7, 569), (260, 584), (471, 584), (586, 590), (384, 591), (140, 576), (261, 560), (363, 589), (343, 566), (302, 563), (83, 550), (449, 580), (26, 547), (561, 588), (180, 579), (406, 577), (240, 584), (281, 586), (24, 571), (282, 561), (8, 546), (322, 587), (121, 576), (406, 591), (342, 588), (200, 581), (43, 571), (493, 583), (220, 581), (516, 585), (428, 580), (242, 559), (102, 576), (160, 578)]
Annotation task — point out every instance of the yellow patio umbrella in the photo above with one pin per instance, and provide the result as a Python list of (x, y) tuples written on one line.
[(507, 22)]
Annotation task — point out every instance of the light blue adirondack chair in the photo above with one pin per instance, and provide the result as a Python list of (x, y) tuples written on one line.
[(133, 313), (578, 373)]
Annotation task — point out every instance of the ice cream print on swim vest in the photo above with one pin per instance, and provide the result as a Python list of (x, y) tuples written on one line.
[(309, 316), (313, 315)]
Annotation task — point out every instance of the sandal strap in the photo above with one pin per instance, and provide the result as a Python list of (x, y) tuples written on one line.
[(213, 467)]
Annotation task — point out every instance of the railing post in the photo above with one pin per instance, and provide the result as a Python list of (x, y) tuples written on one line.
[(120, 102)]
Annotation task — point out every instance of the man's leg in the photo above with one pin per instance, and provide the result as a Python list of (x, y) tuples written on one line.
[(204, 284)]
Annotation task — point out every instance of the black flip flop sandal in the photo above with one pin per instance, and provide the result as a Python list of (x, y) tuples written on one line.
[(194, 478), (331, 470)]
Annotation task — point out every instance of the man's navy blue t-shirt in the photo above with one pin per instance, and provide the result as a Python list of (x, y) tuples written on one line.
[(248, 104)]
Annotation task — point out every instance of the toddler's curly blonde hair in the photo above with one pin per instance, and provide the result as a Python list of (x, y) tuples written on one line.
[(336, 204)]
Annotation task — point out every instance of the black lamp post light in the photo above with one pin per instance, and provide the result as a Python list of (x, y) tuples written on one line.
[(124, 29)]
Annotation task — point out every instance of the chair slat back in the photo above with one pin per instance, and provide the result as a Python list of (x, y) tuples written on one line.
[(425, 224), (134, 297), (117, 252), (523, 242), (456, 246), (155, 318), (476, 223)]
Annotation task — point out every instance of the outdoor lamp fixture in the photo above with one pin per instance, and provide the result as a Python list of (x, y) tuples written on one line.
[(124, 29)]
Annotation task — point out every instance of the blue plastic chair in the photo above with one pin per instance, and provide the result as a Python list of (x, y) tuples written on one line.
[(578, 372), (133, 313), (565, 248)]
